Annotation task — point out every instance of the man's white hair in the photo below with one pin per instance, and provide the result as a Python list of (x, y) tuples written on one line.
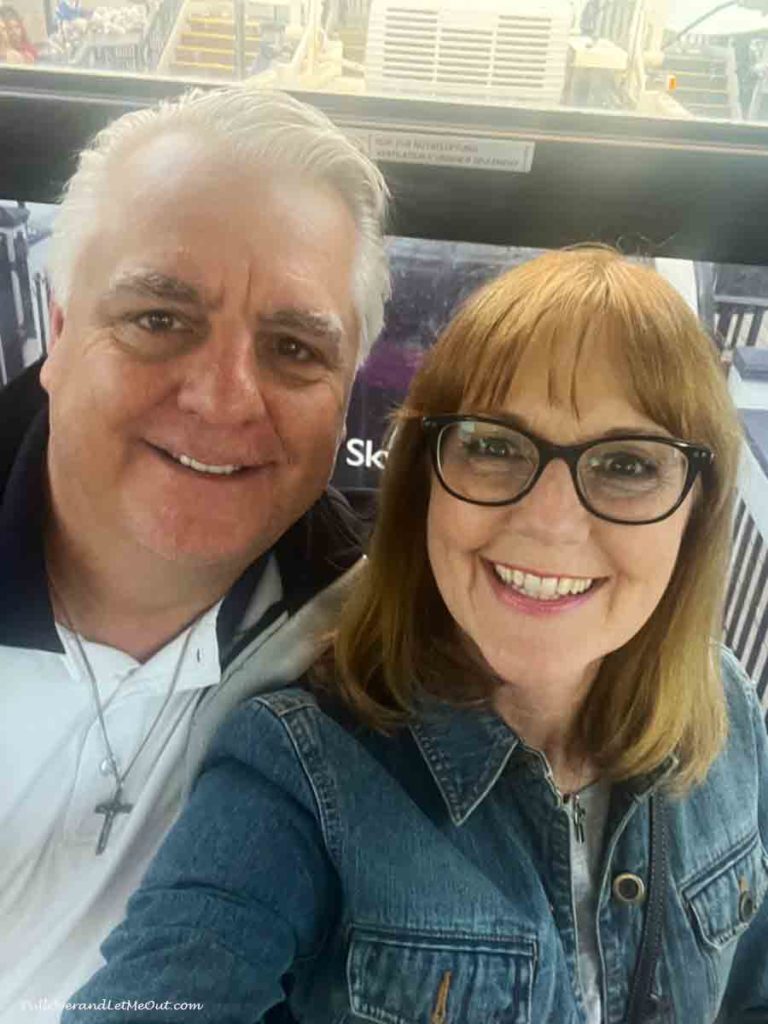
[(257, 130)]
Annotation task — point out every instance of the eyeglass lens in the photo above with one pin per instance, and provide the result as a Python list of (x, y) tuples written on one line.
[(627, 480)]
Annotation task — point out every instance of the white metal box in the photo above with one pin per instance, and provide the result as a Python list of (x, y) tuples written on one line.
[(486, 49)]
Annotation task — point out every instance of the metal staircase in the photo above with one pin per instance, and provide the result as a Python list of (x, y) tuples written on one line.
[(206, 44), (705, 80)]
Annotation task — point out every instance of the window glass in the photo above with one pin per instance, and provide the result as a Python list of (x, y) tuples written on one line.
[(679, 59)]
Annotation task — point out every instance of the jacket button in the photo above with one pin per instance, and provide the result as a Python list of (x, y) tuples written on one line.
[(629, 888), (656, 1009), (746, 906)]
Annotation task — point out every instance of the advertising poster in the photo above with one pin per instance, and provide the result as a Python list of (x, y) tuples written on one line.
[(430, 279)]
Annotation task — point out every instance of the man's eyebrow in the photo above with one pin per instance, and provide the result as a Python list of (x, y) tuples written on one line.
[(325, 327), (156, 285)]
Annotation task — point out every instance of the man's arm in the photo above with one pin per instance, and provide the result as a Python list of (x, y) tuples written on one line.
[(241, 888)]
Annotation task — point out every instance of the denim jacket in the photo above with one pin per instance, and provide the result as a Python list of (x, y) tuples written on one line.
[(424, 878)]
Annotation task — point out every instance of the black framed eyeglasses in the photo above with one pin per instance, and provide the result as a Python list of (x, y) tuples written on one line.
[(634, 479)]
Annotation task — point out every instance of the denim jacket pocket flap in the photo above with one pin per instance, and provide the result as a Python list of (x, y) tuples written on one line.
[(440, 978), (724, 898)]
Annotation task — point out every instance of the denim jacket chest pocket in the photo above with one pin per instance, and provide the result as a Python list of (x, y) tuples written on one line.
[(724, 898), (440, 978)]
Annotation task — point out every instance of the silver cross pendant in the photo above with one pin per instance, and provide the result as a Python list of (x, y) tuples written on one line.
[(110, 809)]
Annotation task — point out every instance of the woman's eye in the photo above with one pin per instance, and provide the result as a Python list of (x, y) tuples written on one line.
[(489, 447), (496, 449), (628, 466), (159, 322)]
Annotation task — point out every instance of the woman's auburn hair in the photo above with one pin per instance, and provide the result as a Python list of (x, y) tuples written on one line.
[(661, 693)]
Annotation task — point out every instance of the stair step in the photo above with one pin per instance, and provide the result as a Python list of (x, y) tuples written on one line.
[(701, 95), (689, 80), (184, 67), (197, 23), (207, 55), (353, 41), (208, 38), (352, 36), (699, 63), (213, 44), (715, 110)]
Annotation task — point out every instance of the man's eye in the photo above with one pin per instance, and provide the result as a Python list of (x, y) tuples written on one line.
[(159, 322), (295, 350)]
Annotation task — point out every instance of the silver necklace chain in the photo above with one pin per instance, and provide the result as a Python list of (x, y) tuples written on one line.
[(116, 805)]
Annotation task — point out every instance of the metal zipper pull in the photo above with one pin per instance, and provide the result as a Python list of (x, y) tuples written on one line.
[(578, 814), (438, 1014)]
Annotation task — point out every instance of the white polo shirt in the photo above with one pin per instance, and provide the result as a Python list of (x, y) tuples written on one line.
[(58, 900)]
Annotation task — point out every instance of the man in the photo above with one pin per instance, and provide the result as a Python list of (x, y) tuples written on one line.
[(167, 545)]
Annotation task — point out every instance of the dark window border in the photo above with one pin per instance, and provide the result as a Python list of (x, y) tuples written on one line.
[(680, 188)]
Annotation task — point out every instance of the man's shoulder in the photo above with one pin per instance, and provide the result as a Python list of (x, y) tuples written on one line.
[(320, 547), (344, 514), (20, 402)]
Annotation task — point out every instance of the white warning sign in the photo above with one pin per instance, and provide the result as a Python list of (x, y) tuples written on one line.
[(446, 150)]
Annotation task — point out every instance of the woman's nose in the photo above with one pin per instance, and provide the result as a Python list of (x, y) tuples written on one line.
[(552, 510)]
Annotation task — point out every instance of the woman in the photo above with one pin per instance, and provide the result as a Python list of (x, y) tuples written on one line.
[(5, 43), (15, 46), (527, 786)]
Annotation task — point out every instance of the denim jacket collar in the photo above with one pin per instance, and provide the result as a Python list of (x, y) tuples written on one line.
[(467, 748), (645, 785)]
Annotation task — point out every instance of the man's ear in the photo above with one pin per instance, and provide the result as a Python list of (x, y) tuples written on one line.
[(342, 435), (56, 321)]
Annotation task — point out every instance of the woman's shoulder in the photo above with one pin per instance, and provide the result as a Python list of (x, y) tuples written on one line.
[(745, 712), (299, 718), (740, 771), (732, 671), (305, 698), (284, 746), (287, 700)]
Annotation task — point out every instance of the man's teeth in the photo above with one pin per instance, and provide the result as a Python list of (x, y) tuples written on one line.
[(201, 467), (544, 588)]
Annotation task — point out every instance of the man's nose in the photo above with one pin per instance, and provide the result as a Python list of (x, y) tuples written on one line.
[(223, 384), (552, 511)]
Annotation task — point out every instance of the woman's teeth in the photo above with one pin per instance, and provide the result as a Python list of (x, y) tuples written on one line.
[(542, 588)]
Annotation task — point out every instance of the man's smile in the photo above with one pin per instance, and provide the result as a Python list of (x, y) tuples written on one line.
[(213, 467)]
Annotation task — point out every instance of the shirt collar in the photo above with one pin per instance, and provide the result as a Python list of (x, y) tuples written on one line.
[(192, 656)]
